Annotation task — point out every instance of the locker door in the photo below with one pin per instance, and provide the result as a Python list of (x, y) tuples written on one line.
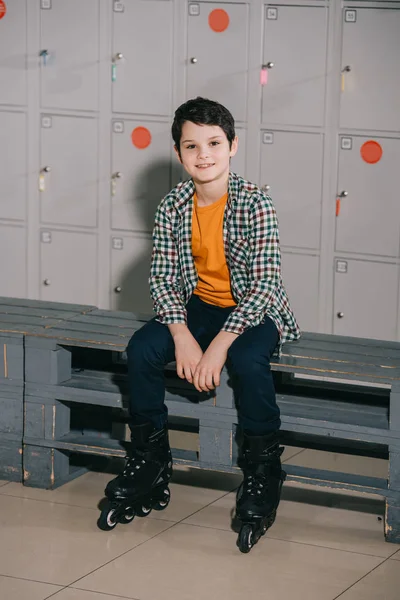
[(68, 267), (69, 149), (217, 60), (365, 299), (13, 261), (13, 168), (69, 71), (300, 273), (238, 162), (130, 269), (141, 172), (295, 40), (369, 220), (370, 98), (13, 53), (291, 165), (143, 34)]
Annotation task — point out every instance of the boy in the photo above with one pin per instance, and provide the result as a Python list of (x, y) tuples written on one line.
[(218, 295)]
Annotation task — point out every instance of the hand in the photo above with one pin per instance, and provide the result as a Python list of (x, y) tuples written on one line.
[(187, 354), (208, 372)]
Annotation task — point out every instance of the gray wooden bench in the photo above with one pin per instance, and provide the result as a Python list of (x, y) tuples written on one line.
[(76, 391)]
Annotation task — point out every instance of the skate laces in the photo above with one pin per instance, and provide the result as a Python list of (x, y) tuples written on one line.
[(256, 484), (133, 464)]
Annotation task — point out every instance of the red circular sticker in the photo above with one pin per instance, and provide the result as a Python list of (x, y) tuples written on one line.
[(141, 137), (371, 152), (3, 9), (218, 20)]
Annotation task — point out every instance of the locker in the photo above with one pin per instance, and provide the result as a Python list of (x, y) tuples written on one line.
[(238, 162), (69, 54), (13, 261), (300, 273), (370, 95), (130, 269), (291, 165), (68, 267), (217, 59), (295, 39), (69, 190), (143, 172), (369, 219), (13, 53), (142, 76), (13, 170), (365, 299)]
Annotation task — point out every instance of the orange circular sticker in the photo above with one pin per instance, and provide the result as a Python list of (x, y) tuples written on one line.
[(218, 20), (371, 152), (141, 137), (3, 9)]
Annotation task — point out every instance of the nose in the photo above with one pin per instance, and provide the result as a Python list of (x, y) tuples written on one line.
[(203, 151)]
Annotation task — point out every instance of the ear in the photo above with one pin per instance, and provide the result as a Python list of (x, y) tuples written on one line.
[(234, 146), (178, 154)]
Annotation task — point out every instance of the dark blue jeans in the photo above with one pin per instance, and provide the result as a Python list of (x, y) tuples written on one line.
[(152, 347)]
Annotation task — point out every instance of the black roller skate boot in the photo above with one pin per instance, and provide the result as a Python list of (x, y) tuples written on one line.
[(259, 494), (143, 484)]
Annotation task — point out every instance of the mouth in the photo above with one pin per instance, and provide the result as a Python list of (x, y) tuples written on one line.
[(205, 166)]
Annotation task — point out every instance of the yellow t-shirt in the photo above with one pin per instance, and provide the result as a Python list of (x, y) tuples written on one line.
[(214, 285)]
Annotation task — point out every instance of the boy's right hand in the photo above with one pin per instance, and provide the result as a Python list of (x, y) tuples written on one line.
[(188, 353)]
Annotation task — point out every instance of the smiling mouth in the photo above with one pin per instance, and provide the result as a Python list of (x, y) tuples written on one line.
[(205, 166)]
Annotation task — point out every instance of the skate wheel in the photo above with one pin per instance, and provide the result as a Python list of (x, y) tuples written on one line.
[(245, 539), (143, 511), (128, 516), (107, 519), (162, 504)]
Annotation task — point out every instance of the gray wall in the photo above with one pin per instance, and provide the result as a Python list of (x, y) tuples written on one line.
[(86, 154)]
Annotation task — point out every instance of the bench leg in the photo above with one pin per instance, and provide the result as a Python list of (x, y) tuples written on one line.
[(392, 520), (45, 467)]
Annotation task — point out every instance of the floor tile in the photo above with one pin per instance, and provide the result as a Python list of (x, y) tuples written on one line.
[(194, 563), (382, 584), (353, 531), (2, 483), (195, 490), (74, 594), (345, 463), (58, 544), (397, 555), (21, 589)]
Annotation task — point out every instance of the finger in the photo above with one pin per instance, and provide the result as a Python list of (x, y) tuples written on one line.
[(217, 378), (202, 382), (196, 380), (188, 374), (179, 370), (209, 381)]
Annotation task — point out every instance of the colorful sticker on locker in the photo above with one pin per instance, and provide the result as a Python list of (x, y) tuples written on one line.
[(371, 152), (141, 137), (3, 9), (218, 20)]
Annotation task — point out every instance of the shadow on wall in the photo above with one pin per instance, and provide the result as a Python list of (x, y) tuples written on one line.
[(149, 187)]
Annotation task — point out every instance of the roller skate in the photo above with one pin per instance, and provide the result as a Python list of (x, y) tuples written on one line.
[(259, 494), (143, 484)]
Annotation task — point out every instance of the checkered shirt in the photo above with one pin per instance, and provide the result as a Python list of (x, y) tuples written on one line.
[(251, 243)]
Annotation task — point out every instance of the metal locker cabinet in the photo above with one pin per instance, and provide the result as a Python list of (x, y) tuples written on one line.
[(365, 299), (69, 149), (141, 67), (217, 61), (238, 162), (13, 169), (141, 172), (68, 267), (291, 165), (369, 218), (130, 270), (13, 53), (300, 273), (13, 261), (295, 39), (69, 54), (370, 97)]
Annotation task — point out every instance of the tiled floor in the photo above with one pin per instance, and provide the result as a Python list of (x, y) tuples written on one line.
[(323, 545)]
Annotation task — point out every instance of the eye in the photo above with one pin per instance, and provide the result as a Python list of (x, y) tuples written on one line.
[(190, 147), (215, 143)]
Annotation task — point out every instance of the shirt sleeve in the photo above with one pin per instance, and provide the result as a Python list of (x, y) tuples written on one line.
[(264, 271), (165, 280)]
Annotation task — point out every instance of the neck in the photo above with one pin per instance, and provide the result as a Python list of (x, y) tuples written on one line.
[(210, 192)]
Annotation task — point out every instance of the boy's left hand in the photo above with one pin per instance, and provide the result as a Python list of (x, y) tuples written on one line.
[(208, 371)]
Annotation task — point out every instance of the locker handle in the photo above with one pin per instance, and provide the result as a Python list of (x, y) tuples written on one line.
[(340, 315), (118, 56), (117, 175), (193, 60), (118, 289), (47, 282), (345, 70), (46, 169), (44, 55), (266, 188), (269, 65)]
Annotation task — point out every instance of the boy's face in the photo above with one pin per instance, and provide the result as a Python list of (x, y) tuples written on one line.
[(205, 152)]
